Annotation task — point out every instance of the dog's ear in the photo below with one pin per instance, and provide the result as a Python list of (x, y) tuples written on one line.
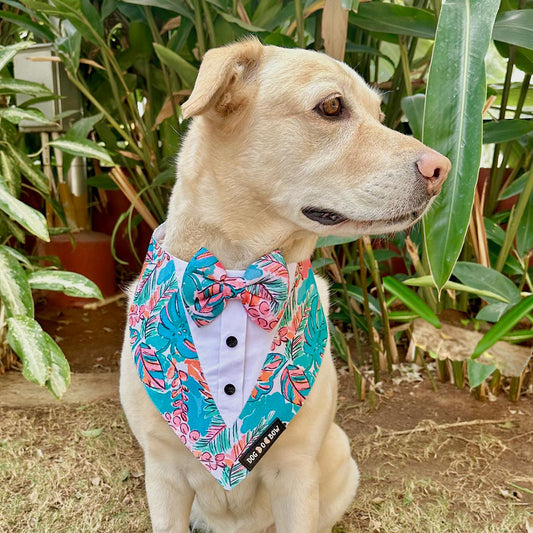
[(225, 79)]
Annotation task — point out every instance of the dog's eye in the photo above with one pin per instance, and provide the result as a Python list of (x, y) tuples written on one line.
[(330, 107)]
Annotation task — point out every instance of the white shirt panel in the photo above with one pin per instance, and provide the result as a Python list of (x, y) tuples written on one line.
[(225, 365)]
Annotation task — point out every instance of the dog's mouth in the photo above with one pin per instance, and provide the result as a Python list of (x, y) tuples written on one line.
[(328, 217)]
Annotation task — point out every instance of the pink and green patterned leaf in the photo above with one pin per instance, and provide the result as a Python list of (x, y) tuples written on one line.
[(149, 367), (270, 368), (294, 383)]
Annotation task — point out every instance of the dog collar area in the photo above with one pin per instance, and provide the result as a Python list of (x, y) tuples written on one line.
[(229, 388)]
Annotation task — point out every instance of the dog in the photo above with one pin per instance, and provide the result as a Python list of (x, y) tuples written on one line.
[(284, 145)]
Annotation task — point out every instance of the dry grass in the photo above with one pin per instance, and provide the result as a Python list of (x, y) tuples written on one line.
[(60, 474), (442, 482)]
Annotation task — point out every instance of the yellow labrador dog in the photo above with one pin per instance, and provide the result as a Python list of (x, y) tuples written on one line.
[(284, 146)]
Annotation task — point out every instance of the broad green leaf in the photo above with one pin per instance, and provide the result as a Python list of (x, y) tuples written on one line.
[(81, 128), (12, 85), (92, 16), (26, 216), (411, 300), (515, 27), (478, 372), (83, 148), (244, 25), (480, 277), (428, 281), (493, 312), (68, 47), (453, 126), (79, 132), (59, 379), (321, 262), (16, 114), (26, 337), (515, 188), (413, 108), (494, 232), (506, 323), (7, 53), (102, 181), (395, 19), (332, 241), (505, 130), (15, 291), (69, 283), (32, 172), (177, 7), (171, 59), (25, 21), (524, 234)]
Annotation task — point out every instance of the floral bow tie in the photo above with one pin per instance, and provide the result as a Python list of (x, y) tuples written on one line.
[(263, 289)]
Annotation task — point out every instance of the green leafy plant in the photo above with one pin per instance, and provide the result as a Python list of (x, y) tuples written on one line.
[(43, 362)]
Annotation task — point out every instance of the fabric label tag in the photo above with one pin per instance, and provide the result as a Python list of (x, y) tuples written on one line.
[(259, 447)]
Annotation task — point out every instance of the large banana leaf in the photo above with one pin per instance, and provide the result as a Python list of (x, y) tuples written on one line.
[(453, 123)]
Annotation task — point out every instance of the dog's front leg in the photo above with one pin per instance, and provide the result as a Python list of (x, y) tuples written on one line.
[(170, 497), (294, 497)]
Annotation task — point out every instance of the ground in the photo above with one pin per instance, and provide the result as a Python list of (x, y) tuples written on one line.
[(430, 461)]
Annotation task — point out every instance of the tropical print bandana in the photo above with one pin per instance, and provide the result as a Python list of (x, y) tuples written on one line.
[(263, 289), (169, 367)]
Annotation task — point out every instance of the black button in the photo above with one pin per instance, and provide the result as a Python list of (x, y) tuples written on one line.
[(229, 389), (232, 341)]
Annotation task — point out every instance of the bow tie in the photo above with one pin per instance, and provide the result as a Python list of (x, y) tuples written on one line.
[(263, 289)]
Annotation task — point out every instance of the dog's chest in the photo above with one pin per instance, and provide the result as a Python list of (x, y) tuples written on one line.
[(228, 388)]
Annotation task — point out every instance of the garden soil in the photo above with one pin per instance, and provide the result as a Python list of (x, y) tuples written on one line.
[(430, 461)]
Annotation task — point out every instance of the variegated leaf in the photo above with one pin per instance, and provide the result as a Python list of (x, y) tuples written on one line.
[(26, 216), (25, 336), (59, 368), (70, 283), (34, 174), (16, 114), (83, 148), (7, 53), (15, 291), (10, 173), (12, 85)]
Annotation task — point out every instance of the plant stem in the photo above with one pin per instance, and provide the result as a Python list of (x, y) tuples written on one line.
[(366, 306), (350, 308), (496, 176), (374, 272), (209, 24), (170, 82), (300, 28), (405, 66), (514, 220), (199, 25)]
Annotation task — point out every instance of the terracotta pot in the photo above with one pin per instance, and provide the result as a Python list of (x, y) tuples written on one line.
[(90, 255)]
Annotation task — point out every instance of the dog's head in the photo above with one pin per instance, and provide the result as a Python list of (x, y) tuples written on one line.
[(307, 131)]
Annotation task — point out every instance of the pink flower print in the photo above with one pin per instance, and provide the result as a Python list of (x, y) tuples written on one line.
[(194, 435), (136, 314), (213, 463), (281, 338)]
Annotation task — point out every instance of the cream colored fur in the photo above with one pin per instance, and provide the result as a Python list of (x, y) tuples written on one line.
[(255, 154)]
